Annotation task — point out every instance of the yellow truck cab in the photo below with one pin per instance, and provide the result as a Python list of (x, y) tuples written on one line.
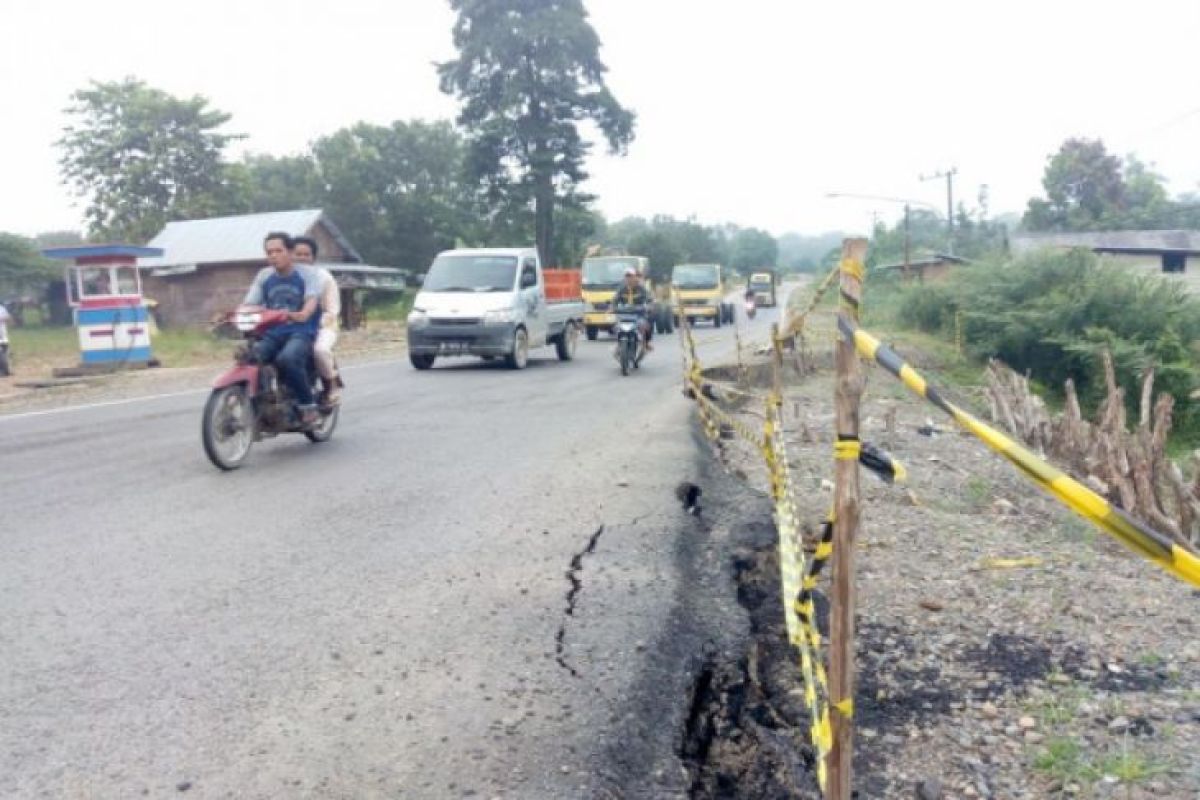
[(700, 293), (601, 277), (763, 286)]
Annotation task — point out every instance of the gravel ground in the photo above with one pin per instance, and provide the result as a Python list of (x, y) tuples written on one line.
[(1076, 675)]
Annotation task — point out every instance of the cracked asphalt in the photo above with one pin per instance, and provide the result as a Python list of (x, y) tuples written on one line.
[(482, 587)]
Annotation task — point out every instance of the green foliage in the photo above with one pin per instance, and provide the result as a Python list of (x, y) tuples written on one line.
[(1052, 314), (395, 190), (528, 73), (751, 248), (801, 253), (22, 267), (278, 183), (975, 237), (1089, 189), (142, 157), (667, 241)]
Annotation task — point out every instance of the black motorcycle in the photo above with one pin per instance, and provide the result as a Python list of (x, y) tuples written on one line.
[(631, 344)]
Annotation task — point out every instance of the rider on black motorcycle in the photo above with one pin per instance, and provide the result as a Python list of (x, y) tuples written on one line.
[(284, 286), (632, 293)]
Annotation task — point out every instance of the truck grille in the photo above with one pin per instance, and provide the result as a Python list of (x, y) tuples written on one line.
[(695, 302)]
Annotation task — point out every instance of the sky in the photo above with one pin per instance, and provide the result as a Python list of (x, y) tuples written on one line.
[(749, 112)]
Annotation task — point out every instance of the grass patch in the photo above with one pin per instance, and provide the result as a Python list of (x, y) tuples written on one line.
[(389, 307), (1065, 760), (1130, 765), (58, 346), (977, 492), (1059, 708), (44, 342), (184, 347), (1061, 759)]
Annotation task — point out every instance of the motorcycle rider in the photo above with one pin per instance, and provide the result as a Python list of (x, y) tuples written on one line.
[(304, 251), (284, 286), (633, 293)]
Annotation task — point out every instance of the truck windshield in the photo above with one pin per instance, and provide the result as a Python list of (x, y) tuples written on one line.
[(605, 273), (695, 276), (471, 274)]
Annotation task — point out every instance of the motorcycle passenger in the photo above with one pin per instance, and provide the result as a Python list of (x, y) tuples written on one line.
[(284, 286), (304, 252), (632, 293)]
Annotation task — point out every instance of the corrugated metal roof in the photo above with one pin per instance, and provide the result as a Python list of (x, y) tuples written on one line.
[(1145, 241), (208, 241)]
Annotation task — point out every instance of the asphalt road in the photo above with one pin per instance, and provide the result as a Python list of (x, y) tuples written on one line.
[(473, 590)]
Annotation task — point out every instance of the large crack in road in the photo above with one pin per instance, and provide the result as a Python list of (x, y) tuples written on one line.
[(576, 580)]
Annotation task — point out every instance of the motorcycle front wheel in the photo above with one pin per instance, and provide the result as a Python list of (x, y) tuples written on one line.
[(626, 356), (228, 427)]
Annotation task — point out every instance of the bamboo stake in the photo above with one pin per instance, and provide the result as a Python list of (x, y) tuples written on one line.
[(847, 398)]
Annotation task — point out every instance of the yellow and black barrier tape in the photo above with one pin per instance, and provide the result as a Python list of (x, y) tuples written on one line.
[(797, 580), (796, 324), (882, 463), (1134, 534), (701, 393)]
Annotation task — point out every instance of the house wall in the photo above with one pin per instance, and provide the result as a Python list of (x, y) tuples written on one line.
[(1152, 263), (201, 296), (329, 247)]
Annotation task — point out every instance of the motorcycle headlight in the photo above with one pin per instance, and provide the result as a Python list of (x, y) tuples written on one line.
[(246, 321), (417, 318), (500, 316)]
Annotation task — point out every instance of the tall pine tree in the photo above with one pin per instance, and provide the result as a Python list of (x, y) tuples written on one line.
[(528, 73)]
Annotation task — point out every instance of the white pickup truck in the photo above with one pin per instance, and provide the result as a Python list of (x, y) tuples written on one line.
[(494, 303)]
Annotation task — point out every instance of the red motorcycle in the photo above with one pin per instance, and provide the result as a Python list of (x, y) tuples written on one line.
[(249, 402)]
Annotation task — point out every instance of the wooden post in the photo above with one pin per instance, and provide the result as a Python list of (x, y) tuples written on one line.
[(777, 366), (848, 393)]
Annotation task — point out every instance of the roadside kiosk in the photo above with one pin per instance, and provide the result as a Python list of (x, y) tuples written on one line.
[(104, 288)]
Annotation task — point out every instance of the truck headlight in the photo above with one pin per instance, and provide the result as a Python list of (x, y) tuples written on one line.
[(501, 316), (417, 318)]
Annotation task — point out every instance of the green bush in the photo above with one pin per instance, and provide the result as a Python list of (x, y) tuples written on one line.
[(1053, 313)]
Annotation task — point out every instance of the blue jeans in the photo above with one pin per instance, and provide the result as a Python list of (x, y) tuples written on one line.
[(291, 353)]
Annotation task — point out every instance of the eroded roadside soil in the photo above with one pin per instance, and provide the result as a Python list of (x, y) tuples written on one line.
[(1073, 673)]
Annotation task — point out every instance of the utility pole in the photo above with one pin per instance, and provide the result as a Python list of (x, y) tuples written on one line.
[(949, 176)]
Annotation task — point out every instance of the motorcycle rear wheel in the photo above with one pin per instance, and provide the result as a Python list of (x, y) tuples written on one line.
[(228, 427), (323, 431)]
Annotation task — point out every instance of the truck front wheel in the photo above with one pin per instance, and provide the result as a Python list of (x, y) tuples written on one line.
[(421, 362), (592, 333), (518, 358)]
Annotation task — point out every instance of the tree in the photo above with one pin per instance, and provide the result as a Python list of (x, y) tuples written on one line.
[(142, 157), (1083, 186), (752, 248), (528, 73), (22, 267), (48, 239), (279, 183), (658, 247), (395, 190)]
